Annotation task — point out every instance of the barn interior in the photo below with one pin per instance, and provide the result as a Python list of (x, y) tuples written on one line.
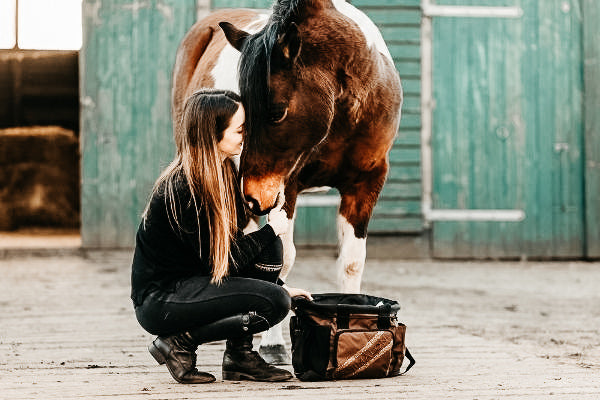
[(39, 122)]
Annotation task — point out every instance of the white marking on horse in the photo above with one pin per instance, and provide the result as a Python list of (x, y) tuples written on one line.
[(319, 189), (225, 73), (351, 261), (274, 335), (368, 28), (289, 250)]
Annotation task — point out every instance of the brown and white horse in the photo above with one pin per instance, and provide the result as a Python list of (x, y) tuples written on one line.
[(322, 99)]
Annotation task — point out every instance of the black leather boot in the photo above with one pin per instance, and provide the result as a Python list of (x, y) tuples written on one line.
[(240, 362), (179, 353)]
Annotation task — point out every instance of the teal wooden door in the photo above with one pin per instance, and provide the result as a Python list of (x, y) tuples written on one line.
[(507, 132)]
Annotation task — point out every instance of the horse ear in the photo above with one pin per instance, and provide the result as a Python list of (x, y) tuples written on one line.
[(290, 43), (235, 36)]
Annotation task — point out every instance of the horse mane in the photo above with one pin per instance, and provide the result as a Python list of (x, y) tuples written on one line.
[(255, 66)]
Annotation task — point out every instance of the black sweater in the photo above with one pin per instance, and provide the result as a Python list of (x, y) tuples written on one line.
[(165, 254)]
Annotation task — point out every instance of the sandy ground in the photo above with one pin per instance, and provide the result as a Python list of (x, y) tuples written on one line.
[(478, 331)]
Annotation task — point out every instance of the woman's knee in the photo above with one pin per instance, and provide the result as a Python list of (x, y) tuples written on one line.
[(280, 304)]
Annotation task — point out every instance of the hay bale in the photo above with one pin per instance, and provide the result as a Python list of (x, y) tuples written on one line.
[(39, 177)]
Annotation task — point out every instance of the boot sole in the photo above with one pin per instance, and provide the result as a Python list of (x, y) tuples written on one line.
[(240, 376)]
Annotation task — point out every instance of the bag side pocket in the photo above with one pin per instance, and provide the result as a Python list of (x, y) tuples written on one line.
[(310, 349), (399, 332), (363, 354)]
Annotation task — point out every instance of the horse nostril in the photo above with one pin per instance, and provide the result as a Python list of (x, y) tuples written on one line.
[(252, 204)]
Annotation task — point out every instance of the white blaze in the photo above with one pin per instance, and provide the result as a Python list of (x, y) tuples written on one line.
[(274, 335)]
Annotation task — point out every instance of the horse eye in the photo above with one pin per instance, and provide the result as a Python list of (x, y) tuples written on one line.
[(278, 114)]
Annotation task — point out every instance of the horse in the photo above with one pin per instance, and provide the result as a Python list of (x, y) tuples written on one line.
[(322, 99)]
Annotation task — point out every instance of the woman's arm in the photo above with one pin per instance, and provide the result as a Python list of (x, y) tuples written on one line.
[(249, 246)]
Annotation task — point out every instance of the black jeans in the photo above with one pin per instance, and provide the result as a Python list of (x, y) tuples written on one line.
[(197, 302)]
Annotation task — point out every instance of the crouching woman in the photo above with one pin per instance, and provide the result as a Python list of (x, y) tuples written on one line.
[(196, 277)]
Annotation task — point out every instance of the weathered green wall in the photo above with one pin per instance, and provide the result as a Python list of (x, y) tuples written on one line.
[(545, 66), (126, 139)]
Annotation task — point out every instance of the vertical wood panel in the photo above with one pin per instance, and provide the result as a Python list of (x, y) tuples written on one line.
[(126, 61), (591, 48), (398, 209)]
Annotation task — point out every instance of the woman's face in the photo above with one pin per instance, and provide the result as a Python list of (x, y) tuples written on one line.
[(231, 144)]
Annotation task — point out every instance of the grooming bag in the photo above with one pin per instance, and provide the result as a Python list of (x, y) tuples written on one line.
[(345, 336)]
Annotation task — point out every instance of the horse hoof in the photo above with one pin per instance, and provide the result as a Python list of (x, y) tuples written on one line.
[(275, 354)]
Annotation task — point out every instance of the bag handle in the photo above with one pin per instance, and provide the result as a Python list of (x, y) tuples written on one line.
[(343, 311), (410, 359)]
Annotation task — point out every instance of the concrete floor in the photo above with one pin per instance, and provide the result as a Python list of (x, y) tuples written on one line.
[(478, 331)]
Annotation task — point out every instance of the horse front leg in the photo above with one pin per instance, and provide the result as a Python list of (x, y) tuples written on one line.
[(272, 345), (351, 256), (354, 214)]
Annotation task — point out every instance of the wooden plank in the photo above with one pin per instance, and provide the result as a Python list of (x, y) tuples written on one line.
[(410, 51), (591, 65), (408, 68), (393, 208), (410, 121), (315, 226), (401, 190), (365, 4), (405, 155), (395, 225), (408, 137), (383, 17), (486, 3), (411, 86), (262, 4), (394, 34), (126, 60), (412, 103), (409, 172)]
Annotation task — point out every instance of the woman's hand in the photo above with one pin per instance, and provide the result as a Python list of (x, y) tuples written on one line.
[(278, 220), (293, 292)]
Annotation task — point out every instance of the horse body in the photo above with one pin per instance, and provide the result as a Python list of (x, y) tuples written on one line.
[(332, 111)]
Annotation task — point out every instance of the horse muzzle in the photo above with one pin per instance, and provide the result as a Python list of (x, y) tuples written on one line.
[(263, 194)]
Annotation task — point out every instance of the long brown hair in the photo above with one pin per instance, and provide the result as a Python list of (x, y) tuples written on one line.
[(212, 182)]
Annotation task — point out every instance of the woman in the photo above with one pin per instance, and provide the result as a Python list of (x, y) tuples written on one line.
[(196, 277)]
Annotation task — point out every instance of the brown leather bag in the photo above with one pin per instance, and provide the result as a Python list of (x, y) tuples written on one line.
[(345, 336)]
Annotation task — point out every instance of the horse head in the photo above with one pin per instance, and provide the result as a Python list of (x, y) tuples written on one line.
[(288, 90)]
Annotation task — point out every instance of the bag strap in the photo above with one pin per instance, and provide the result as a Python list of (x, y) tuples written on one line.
[(384, 320), (343, 316), (410, 359)]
